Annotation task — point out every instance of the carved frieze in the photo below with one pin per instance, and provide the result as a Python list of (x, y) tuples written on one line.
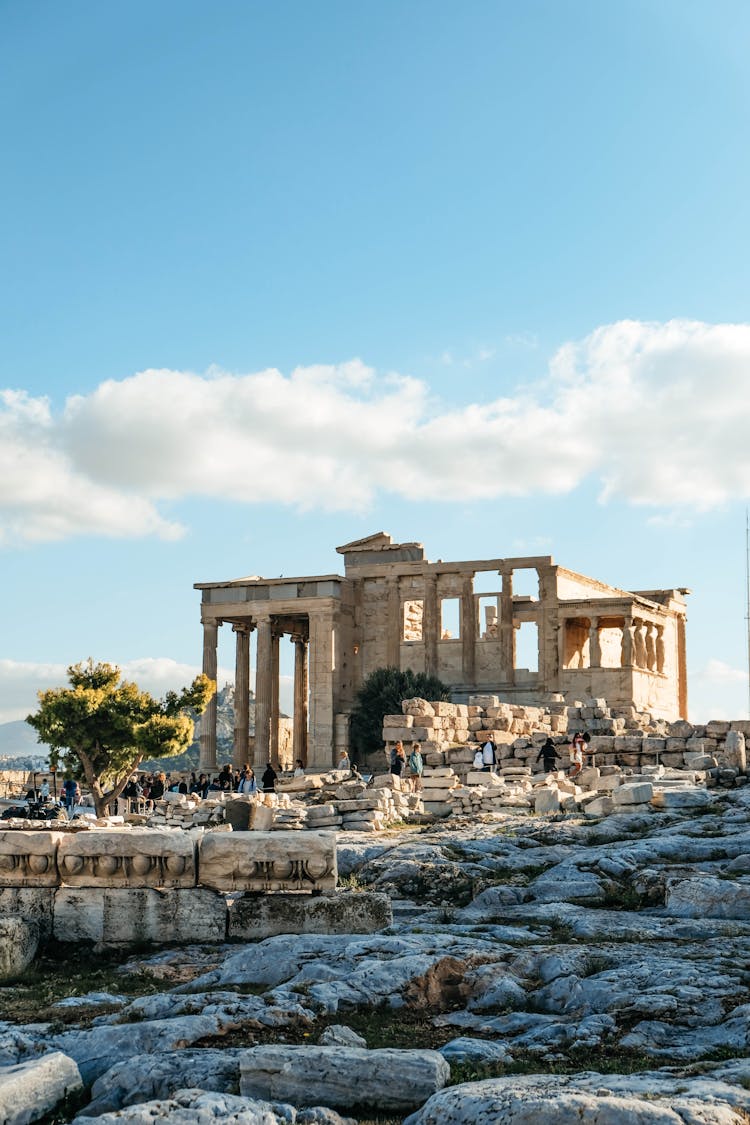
[(268, 861), (27, 859), (136, 858)]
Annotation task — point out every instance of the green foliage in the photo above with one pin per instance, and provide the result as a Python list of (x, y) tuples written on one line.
[(381, 694), (100, 728)]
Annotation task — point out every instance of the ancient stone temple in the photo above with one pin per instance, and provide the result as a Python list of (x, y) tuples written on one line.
[(456, 620)]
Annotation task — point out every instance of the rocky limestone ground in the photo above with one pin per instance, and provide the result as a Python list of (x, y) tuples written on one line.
[(538, 970)]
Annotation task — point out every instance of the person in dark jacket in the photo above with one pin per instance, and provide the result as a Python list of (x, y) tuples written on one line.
[(549, 753), (268, 779)]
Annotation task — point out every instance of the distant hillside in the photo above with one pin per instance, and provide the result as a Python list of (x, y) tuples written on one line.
[(18, 740)]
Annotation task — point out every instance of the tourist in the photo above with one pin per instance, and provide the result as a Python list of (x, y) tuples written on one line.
[(549, 754), (478, 763), (268, 779), (299, 769), (577, 747), (489, 756), (158, 786), (69, 791), (132, 793), (247, 783), (416, 766), (398, 759), (225, 778), (344, 762)]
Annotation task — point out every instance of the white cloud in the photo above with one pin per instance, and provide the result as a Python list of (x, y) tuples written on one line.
[(718, 691), (658, 413), (21, 680)]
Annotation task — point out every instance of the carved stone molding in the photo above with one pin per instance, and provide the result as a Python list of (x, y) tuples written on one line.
[(28, 859), (268, 861), (127, 859)]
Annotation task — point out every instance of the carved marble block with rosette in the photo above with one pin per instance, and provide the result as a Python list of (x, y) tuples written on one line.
[(268, 861), (27, 859), (136, 858)]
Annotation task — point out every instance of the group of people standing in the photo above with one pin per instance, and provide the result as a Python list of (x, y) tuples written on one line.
[(485, 758), (143, 790), (578, 747), (411, 767)]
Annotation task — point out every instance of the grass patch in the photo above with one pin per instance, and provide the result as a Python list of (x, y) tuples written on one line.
[(62, 971)]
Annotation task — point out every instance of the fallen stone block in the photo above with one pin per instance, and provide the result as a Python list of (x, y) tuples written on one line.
[(638, 794), (602, 806), (547, 801), (126, 916), (252, 918), (438, 808), (681, 799), (268, 861), (344, 1077), (138, 857), (31, 1090)]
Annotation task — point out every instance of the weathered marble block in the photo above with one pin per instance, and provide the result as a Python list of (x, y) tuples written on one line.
[(124, 916), (268, 861), (253, 919), (27, 858), (31, 1089), (385, 1079), (131, 858)]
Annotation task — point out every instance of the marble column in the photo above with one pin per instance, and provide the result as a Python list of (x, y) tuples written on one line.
[(595, 650), (468, 629), (273, 742), (322, 691), (430, 625), (208, 721), (240, 752), (394, 624), (507, 632), (682, 685), (263, 694), (299, 732)]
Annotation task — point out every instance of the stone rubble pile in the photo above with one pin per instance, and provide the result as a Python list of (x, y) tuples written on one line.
[(636, 761), (351, 805), (449, 734)]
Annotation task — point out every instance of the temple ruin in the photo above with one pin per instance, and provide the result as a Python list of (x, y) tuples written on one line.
[(455, 620)]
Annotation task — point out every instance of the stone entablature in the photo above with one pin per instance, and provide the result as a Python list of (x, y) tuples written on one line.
[(281, 862), (267, 862), (457, 620)]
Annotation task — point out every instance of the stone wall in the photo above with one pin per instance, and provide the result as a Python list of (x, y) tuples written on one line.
[(449, 734), (120, 886)]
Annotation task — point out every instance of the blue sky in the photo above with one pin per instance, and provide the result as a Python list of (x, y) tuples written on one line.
[(278, 276)]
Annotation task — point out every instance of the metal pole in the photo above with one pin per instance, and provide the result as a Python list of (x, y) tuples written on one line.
[(747, 601)]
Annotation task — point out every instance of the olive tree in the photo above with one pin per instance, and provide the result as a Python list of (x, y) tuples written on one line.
[(100, 728)]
